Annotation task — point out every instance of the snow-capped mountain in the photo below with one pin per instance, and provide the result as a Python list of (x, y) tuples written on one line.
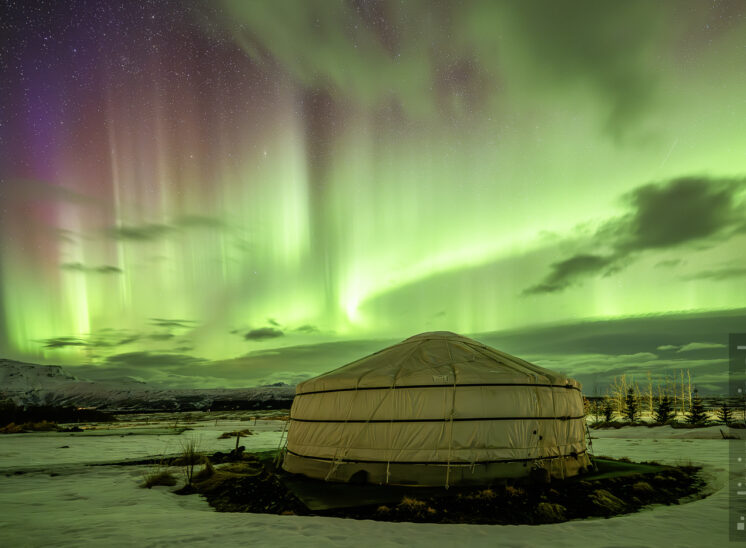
[(32, 384)]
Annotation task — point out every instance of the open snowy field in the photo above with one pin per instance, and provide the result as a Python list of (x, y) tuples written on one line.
[(62, 500)]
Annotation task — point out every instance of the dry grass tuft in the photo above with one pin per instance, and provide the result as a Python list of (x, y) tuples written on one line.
[(159, 477), (206, 473), (409, 503), (189, 458), (513, 491), (242, 468), (42, 426)]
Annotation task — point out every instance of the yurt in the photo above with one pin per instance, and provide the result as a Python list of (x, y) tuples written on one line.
[(437, 409)]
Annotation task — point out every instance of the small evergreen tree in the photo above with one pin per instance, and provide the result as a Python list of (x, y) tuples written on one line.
[(664, 410), (631, 409), (608, 410), (725, 413), (696, 413), (596, 410)]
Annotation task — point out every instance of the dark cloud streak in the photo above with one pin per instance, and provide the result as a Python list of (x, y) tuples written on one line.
[(80, 267), (719, 274), (263, 333), (662, 216)]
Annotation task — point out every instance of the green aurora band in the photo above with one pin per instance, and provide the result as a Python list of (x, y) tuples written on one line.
[(337, 172)]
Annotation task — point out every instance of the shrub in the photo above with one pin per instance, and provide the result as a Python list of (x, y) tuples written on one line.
[(159, 477)]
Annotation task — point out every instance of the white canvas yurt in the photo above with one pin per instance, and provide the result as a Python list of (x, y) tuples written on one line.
[(436, 409)]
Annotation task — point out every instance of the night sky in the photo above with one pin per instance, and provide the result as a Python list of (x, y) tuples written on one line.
[(224, 193)]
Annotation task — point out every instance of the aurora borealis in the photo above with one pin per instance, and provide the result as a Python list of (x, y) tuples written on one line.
[(194, 187)]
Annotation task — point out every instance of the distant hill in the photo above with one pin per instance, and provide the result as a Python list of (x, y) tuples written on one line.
[(33, 384)]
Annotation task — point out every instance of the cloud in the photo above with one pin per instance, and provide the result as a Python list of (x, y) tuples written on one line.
[(581, 44), (680, 211), (689, 347), (153, 359), (263, 333), (623, 336), (555, 48), (662, 216), (719, 274), (592, 352), (62, 342), (108, 269), (667, 347), (700, 346), (160, 336), (74, 266), (162, 322), (80, 267), (564, 273), (307, 328), (109, 338), (155, 231), (140, 233)]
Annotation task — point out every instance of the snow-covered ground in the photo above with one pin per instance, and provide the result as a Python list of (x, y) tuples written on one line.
[(60, 502), (32, 384)]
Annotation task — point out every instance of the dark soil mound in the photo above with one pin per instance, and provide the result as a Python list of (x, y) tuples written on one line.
[(253, 484), (536, 504)]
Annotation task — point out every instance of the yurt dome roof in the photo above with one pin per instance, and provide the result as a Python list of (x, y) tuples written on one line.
[(437, 357)]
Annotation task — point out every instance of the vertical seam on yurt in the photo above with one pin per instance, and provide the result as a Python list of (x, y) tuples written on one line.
[(336, 462), (555, 423), (453, 410), (538, 447)]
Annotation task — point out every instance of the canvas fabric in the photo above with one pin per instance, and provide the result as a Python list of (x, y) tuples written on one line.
[(436, 398)]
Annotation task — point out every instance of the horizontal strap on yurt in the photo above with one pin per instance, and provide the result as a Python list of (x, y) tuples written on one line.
[(447, 419), (444, 463), (451, 386)]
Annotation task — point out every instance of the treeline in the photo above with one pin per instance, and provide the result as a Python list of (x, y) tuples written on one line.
[(672, 399), (16, 414), (250, 405)]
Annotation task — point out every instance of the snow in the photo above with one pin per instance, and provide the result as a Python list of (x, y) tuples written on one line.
[(102, 505), (49, 450), (32, 384)]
